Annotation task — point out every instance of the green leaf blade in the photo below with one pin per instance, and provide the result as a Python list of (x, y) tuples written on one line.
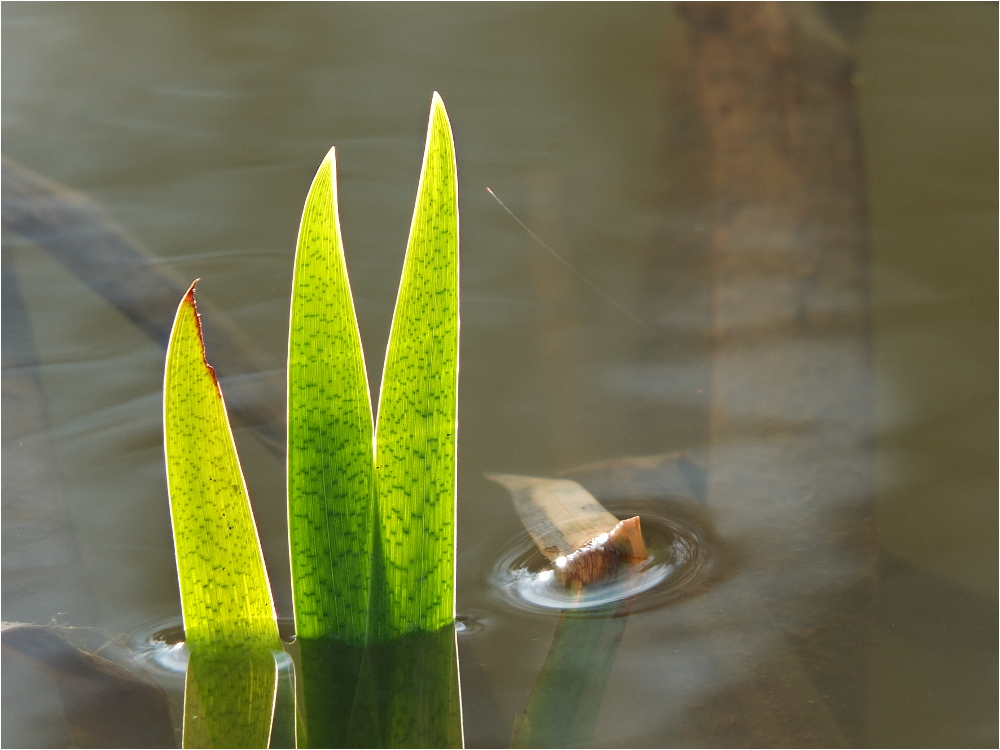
[(416, 429), (330, 432), (225, 596)]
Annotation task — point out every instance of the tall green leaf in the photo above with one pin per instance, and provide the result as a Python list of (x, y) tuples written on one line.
[(375, 546), (416, 428), (224, 589), (229, 618), (331, 480), (330, 453)]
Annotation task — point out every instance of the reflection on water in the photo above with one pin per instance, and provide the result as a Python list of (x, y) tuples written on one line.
[(197, 128)]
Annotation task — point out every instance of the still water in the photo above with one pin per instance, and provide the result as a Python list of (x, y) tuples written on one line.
[(843, 458)]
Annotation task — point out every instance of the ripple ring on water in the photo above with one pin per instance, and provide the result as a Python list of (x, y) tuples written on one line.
[(681, 559)]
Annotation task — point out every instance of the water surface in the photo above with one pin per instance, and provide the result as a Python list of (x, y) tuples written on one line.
[(197, 127)]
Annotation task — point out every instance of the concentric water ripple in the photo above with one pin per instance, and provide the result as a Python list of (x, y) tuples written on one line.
[(160, 647), (681, 558)]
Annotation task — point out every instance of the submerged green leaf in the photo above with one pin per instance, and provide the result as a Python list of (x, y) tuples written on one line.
[(564, 704), (416, 429), (225, 595), (422, 695), (409, 694), (229, 697), (330, 452)]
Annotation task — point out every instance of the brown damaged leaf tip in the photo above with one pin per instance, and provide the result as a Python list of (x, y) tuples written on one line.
[(190, 301)]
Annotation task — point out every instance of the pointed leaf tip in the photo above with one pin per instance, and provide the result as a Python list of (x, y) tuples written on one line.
[(438, 109), (415, 447), (189, 301), (225, 596), (330, 458)]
